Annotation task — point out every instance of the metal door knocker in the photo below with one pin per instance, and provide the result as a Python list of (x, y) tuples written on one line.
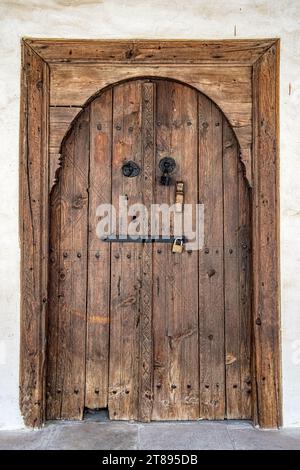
[(131, 169), (167, 165)]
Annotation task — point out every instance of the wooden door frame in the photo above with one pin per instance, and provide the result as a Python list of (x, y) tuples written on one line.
[(259, 144)]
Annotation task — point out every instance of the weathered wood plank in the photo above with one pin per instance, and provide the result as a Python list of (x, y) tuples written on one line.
[(146, 301), (52, 403), (84, 81), (74, 386), (211, 283), (33, 233), (229, 87), (60, 120), (125, 259), (231, 273), (67, 316), (175, 309), (236, 281), (241, 51), (245, 296), (98, 301), (265, 219)]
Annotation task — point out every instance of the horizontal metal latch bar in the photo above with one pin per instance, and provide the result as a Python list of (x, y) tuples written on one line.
[(143, 239)]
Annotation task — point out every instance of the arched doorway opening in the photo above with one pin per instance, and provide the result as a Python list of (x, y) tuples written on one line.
[(133, 327)]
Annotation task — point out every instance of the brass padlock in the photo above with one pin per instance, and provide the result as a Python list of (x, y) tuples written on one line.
[(177, 245), (179, 196)]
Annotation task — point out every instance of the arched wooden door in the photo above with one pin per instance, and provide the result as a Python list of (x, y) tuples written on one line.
[(132, 327)]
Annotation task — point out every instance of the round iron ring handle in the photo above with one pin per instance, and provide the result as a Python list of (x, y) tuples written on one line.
[(167, 165), (130, 169)]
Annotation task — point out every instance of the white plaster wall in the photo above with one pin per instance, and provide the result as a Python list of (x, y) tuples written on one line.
[(148, 19)]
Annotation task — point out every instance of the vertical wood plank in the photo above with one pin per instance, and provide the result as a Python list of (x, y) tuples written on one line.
[(236, 281), (67, 306), (175, 276), (52, 404), (211, 283), (60, 283), (146, 343), (245, 296), (265, 219), (98, 302), (125, 259), (231, 273), (74, 370), (33, 233)]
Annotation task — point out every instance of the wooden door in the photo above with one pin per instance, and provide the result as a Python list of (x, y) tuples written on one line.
[(132, 327)]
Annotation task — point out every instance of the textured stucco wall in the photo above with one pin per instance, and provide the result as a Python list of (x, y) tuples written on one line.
[(148, 19)]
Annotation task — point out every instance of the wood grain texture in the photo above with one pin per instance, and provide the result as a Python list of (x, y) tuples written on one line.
[(263, 176), (237, 283), (33, 233), (229, 87), (146, 301), (175, 276), (66, 376), (265, 216), (59, 123), (98, 291), (125, 259), (60, 120), (211, 264), (237, 51)]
